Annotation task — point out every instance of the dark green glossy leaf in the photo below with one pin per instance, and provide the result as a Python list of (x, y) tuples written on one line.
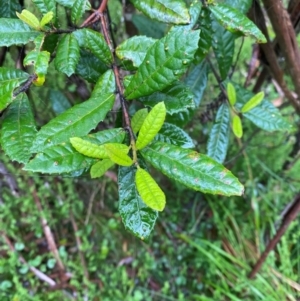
[(134, 49), (137, 217), (62, 158), (18, 129), (194, 170), (89, 66), (149, 191), (15, 31), (235, 21), (59, 102), (177, 98), (197, 81), (223, 45), (165, 61), (45, 6), (148, 27), (78, 9), (9, 8), (105, 84), (9, 80), (219, 136), (206, 34), (67, 55), (100, 168), (167, 11), (172, 134), (70, 3), (181, 118), (95, 42), (76, 121), (151, 125), (265, 116), (243, 5)]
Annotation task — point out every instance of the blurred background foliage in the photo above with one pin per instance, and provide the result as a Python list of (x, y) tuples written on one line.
[(203, 247)]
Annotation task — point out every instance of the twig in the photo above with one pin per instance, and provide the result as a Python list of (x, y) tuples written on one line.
[(26, 85), (237, 58), (289, 217)]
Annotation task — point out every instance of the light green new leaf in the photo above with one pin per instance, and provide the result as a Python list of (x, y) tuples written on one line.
[(166, 60), (18, 129), (149, 191), (76, 121), (67, 55), (15, 32), (118, 153), (46, 18), (89, 149), (223, 46), (138, 119), (192, 169), (62, 158), (166, 11), (29, 18), (9, 80), (8, 9), (177, 98), (237, 126), (231, 93), (116, 135), (152, 125), (136, 216), (172, 134), (219, 136), (100, 168), (134, 49), (253, 102), (235, 21), (265, 116), (45, 6), (95, 42), (78, 9)]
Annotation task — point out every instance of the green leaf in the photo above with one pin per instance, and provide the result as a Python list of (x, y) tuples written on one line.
[(149, 191), (177, 98), (15, 31), (105, 84), (70, 3), (166, 11), (164, 62), (152, 125), (134, 49), (206, 34), (265, 116), (237, 126), (235, 21), (78, 9), (89, 66), (39, 59), (136, 216), (192, 169), (253, 102), (89, 149), (148, 27), (100, 168), (45, 6), (172, 134), (118, 153), (9, 8), (9, 80), (243, 5), (219, 136), (46, 18), (67, 55), (95, 42), (138, 119), (59, 102), (223, 45), (197, 81), (18, 129), (29, 18), (231, 93), (116, 135), (77, 121), (62, 158)]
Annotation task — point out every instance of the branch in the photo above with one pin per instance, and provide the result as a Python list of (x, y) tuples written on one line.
[(26, 86)]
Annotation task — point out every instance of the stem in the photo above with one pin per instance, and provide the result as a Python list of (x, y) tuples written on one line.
[(26, 86)]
